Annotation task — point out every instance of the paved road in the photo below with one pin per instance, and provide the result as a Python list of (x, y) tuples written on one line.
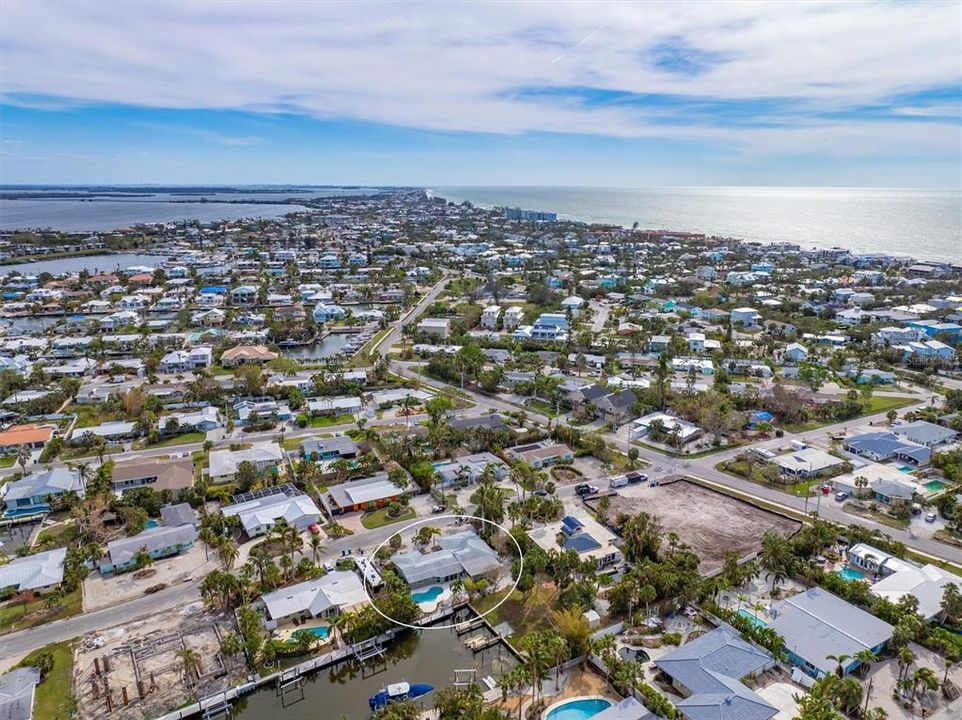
[(601, 310)]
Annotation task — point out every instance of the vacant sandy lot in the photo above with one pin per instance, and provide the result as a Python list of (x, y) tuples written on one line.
[(711, 523)]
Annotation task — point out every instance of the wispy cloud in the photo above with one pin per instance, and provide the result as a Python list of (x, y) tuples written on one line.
[(804, 72)]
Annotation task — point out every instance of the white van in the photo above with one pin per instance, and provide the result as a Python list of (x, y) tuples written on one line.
[(618, 482)]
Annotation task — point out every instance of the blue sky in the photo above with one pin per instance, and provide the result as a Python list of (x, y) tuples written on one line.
[(572, 94)]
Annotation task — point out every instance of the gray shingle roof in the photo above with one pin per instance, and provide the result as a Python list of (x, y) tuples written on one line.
[(16, 693), (158, 538)]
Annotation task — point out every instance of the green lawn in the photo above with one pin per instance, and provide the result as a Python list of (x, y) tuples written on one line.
[(379, 518), (12, 613), (52, 699), (329, 420), (524, 616), (185, 439), (7, 462), (540, 406)]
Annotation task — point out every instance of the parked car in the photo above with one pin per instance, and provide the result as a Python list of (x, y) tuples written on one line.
[(618, 482), (930, 517), (329, 567), (843, 495), (438, 509), (636, 477), (586, 489), (540, 493)]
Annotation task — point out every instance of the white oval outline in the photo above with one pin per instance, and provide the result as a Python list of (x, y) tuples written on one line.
[(434, 518)]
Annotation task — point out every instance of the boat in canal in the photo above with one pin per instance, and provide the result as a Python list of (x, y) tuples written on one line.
[(395, 692)]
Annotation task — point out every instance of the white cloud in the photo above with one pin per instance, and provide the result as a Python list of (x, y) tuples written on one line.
[(466, 66)]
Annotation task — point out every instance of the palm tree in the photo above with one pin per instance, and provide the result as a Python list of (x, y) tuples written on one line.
[(230, 645), (227, 551), (840, 659), (905, 658), (925, 678), (315, 543), (23, 457), (190, 661), (866, 657)]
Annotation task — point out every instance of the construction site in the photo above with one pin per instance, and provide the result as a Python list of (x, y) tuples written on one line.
[(150, 667)]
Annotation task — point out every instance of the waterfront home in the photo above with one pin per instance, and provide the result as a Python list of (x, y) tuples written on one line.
[(158, 542), (157, 473), (326, 449), (817, 625), (461, 554), (224, 463), (708, 672), (17, 689), (41, 572), (541, 454), (247, 355), (119, 320), (32, 437), (468, 469), (362, 494), (324, 597), (586, 536), (435, 327), (258, 515), (325, 313), (808, 462), (32, 494)]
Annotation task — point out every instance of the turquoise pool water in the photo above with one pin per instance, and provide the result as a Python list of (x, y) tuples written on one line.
[(322, 632), (934, 486), (429, 595), (752, 618), (848, 573), (907, 469), (151, 524), (579, 709)]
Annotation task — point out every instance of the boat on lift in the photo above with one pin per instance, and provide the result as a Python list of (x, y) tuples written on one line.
[(395, 692)]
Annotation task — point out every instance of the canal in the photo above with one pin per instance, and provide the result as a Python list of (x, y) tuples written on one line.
[(342, 691)]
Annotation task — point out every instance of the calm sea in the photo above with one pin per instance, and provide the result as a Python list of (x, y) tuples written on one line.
[(922, 223), (111, 208)]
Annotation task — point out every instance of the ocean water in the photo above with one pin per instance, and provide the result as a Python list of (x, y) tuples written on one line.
[(926, 224)]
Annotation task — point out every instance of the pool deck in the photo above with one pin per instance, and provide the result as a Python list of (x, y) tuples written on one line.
[(287, 631)]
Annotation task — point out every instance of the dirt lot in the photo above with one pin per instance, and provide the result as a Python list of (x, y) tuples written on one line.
[(141, 659), (711, 523)]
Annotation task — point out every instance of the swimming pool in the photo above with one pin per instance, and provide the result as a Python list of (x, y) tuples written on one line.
[(151, 524), (934, 486), (847, 573), (752, 618), (577, 709), (322, 631), (429, 595), (907, 469)]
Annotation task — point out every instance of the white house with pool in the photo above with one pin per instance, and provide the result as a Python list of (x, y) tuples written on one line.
[(298, 606), (460, 555)]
